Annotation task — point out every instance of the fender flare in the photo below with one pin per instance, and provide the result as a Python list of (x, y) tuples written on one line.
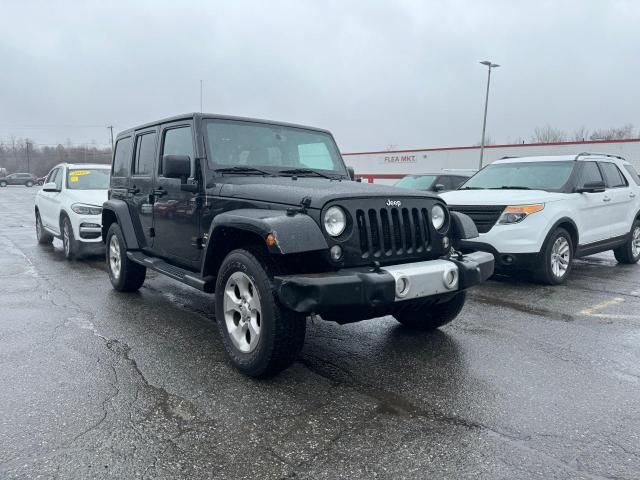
[(293, 233), (120, 209), (556, 224)]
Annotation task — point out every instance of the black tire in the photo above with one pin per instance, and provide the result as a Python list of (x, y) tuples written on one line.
[(426, 316), (546, 272), (625, 254), (282, 331), (70, 246), (3, 184), (128, 276), (44, 237), (29, 184)]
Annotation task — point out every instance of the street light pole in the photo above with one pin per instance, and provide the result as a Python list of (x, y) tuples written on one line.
[(486, 104)]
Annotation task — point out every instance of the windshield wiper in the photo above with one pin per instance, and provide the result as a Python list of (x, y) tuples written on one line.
[(247, 170), (306, 171), (510, 187), (472, 188)]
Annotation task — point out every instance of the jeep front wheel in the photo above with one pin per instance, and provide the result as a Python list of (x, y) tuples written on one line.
[(125, 274), (424, 315), (260, 336)]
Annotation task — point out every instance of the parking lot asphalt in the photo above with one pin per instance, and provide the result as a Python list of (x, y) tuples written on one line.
[(529, 382)]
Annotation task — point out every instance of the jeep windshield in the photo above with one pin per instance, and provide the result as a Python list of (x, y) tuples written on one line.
[(549, 176), (88, 179), (276, 149)]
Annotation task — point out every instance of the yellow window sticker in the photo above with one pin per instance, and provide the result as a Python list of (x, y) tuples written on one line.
[(77, 173), (74, 179)]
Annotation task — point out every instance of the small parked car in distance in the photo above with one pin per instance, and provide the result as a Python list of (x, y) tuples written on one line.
[(26, 179), (538, 213), (267, 217), (433, 182), (69, 207)]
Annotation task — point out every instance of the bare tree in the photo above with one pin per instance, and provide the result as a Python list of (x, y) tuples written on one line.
[(548, 134), (619, 133), (581, 134)]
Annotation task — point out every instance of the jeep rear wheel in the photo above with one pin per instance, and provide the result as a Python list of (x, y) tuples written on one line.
[(630, 251), (125, 274), (260, 336), (424, 315)]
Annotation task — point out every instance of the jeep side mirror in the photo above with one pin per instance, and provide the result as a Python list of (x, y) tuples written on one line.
[(592, 187), (50, 187), (176, 166), (352, 173), (438, 188)]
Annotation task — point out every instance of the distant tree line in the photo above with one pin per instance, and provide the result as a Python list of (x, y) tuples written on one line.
[(549, 134), (24, 155)]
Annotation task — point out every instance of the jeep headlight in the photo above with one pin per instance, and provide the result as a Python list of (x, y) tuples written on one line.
[(438, 216), (82, 209), (335, 221), (517, 213)]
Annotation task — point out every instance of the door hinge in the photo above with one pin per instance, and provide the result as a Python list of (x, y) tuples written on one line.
[(152, 232)]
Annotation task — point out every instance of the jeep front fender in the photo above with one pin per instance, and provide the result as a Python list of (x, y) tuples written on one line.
[(120, 210), (293, 233)]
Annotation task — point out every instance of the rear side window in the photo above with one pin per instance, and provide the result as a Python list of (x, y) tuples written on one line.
[(612, 175), (52, 176), (122, 157), (177, 141), (145, 154), (590, 174), (632, 171)]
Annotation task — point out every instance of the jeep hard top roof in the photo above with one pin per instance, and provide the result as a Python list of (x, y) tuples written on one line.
[(562, 158), (197, 116)]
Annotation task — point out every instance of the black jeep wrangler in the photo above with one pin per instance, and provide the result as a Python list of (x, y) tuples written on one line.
[(267, 216)]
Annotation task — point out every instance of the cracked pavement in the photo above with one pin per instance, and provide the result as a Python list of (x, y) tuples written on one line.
[(529, 382)]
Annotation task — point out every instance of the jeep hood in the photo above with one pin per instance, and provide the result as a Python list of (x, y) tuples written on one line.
[(287, 191), (500, 197)]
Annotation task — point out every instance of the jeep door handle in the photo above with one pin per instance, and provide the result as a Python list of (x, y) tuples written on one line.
[(160, 192), (133, 190), (606, 199)]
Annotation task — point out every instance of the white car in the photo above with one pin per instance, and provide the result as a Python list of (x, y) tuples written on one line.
[(69, 207), (538, 213)]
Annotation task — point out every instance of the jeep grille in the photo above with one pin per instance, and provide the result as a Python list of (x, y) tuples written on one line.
[(392, 231)]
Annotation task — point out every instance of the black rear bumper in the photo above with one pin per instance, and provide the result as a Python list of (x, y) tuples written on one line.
[(366, 288)]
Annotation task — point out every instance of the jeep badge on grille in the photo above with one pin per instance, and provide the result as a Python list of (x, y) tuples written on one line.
[(393, 203)]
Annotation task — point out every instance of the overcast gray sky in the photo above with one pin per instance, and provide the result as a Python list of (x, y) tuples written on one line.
[(374, 72)]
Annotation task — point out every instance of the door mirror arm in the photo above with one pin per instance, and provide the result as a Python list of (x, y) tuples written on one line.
[(592, 187)]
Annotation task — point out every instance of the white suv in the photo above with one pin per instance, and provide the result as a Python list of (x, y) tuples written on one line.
[(69, 206), (538, 213)]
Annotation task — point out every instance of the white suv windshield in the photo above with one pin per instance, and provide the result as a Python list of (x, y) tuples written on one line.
[(272, 148), (550, 176), (88, 179)]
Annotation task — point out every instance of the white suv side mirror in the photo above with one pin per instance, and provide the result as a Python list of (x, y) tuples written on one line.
[(50, 187)]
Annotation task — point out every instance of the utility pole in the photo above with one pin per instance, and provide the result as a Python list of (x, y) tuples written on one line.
[(486, 104), (28, 159), (110, 127), (200, 96)]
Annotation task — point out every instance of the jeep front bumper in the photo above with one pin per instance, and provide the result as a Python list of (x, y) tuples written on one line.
[(365, 287)]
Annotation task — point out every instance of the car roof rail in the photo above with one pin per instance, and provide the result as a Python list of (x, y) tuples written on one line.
[(508, 156), (598, 154)]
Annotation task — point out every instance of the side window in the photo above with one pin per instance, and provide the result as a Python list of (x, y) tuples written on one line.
[(590, 173), (445, 181), (612, 175), (177, 141), (52, 175), (122, 157), (145, 154), (457, 181), (58, 178), (633, 173)]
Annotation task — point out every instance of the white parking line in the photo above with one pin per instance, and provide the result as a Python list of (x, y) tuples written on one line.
[(600, 306)]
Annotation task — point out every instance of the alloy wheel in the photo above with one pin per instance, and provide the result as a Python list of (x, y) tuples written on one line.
[(242, 312), (635, 242), (560, 257), (115, 259), (66, 238)]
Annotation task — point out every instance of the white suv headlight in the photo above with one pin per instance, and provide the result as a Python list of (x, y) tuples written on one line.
[(335, 221), (517, 213), (82, 209)]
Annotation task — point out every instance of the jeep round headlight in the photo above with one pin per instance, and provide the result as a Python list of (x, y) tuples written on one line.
[(335, 221), (438, 217)]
